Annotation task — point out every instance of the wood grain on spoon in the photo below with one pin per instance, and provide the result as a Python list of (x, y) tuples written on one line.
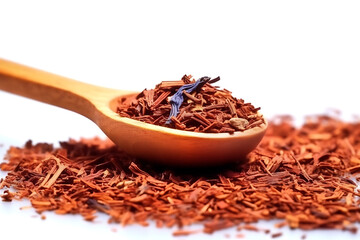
[(146, 141)]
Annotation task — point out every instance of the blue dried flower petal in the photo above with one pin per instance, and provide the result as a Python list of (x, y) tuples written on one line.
[(178, 98)]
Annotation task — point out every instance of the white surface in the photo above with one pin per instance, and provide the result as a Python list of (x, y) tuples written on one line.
[(296, 58)]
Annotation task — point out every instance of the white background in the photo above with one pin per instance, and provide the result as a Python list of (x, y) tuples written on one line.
[(288, 57)]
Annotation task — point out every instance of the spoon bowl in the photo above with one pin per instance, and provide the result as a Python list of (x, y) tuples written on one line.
[(145, 141)]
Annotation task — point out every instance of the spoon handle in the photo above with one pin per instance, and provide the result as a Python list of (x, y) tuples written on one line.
[(53, 89)]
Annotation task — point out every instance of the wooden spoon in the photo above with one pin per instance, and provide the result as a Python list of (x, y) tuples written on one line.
[(142, 140)]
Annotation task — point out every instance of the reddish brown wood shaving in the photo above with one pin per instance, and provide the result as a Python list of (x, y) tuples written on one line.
[(208, 109), (305, 176), (185, 232), (240, 235), (249, 227), (276, 235), (7, 196)]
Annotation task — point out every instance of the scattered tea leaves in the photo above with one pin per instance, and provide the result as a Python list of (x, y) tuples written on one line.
[(305, 176)]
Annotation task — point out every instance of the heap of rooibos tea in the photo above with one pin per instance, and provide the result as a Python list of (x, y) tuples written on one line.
[(306, 176), (192, 106)]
